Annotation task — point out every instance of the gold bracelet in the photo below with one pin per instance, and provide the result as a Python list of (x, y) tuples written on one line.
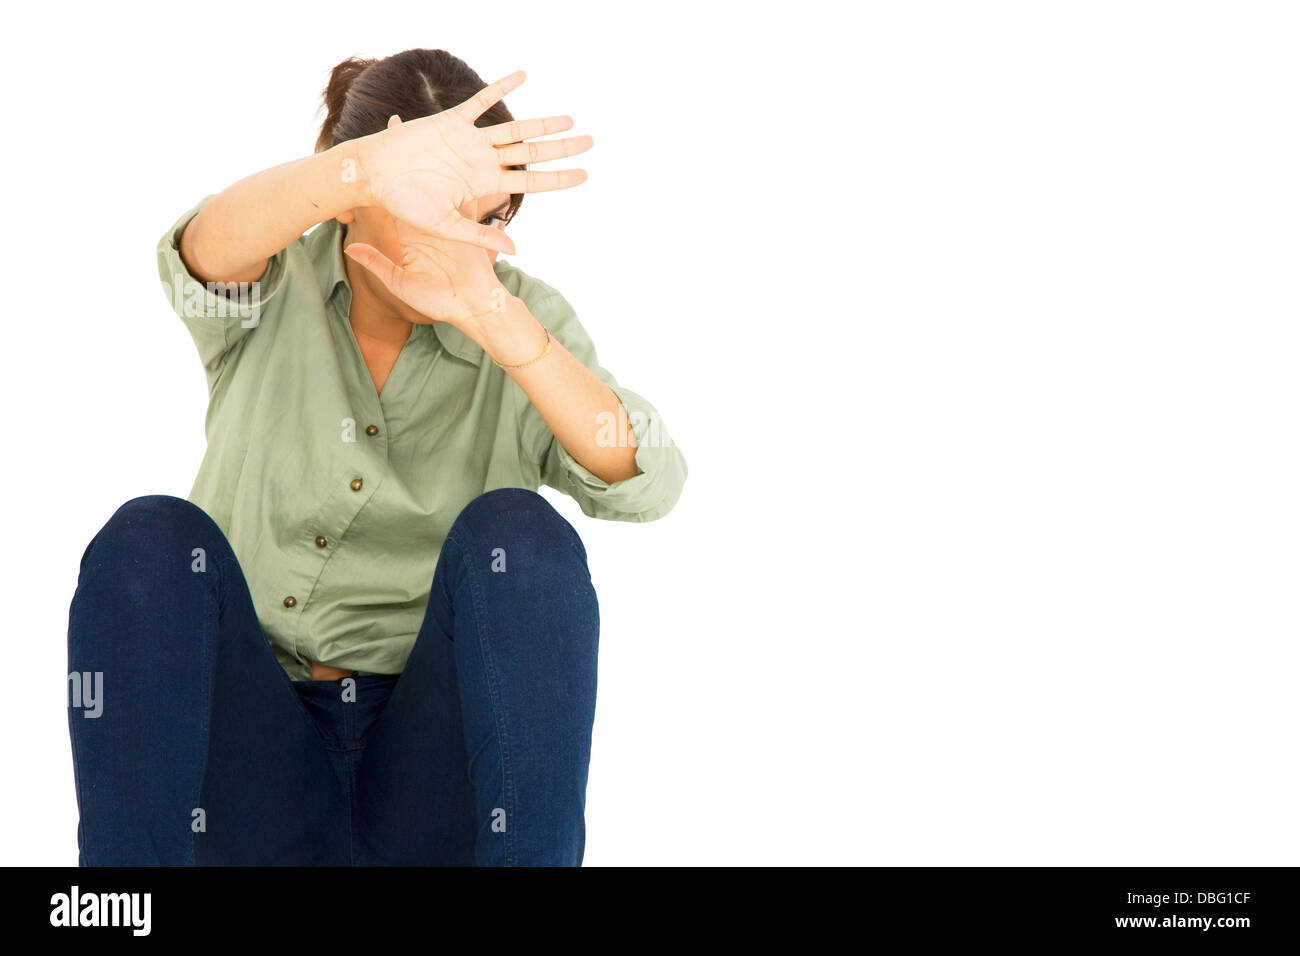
[(530, 362)]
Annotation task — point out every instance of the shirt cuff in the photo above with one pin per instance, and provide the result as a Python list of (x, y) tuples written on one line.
[(647, 495), (216, 314)]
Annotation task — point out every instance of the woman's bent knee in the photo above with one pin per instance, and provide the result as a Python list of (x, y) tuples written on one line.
[(168, 537), (151, 525), (517, 517), (155, 554)]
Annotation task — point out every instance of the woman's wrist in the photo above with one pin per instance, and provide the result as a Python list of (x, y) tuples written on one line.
[(348, 160), (511, 336)]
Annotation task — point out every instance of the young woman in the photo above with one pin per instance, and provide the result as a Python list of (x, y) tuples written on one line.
[(365, 638)]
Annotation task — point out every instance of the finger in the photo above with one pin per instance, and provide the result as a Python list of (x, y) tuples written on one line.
[(394, 120), (517, 130), (489, 96), (463, 229), (532, 181), (375, 261), (517, 154)]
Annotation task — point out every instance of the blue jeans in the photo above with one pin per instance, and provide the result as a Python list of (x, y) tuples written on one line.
[(204, 752)]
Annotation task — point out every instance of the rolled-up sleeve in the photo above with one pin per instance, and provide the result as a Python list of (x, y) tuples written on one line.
[(218, 318), (661, 467)]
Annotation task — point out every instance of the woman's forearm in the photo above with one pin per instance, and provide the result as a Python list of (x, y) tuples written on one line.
[(239, 229), (571, 399)]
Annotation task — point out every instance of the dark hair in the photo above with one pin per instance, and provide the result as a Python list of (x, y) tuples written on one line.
[(362, 94)]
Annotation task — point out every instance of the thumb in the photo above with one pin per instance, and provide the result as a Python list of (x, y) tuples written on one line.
[(375, 262)]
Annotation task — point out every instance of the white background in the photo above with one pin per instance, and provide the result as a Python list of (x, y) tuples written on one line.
[(976, 323)]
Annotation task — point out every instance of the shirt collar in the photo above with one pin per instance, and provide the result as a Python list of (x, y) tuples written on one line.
[(331, 272)]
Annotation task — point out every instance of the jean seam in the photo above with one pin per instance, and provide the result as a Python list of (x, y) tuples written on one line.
[(77, 783), (76, 755), (210, 649), (494, 693), (352, 759)]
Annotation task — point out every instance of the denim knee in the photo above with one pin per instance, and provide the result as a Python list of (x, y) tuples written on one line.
[(524, 571), (145, 523), (159, 531), (515, 517), (143, 559)]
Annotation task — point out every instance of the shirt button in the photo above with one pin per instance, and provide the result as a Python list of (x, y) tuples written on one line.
[(355, 484), (290, 601), (320, 541), (372, 429)]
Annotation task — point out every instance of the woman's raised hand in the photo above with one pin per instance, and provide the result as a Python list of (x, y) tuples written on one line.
[(423, 170)]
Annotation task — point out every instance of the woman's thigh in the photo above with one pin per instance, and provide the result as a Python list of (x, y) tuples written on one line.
[(196, 749), (414, 803), (481, 754)]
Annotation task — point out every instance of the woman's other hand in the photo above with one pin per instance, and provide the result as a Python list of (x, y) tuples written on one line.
[(442, 279)]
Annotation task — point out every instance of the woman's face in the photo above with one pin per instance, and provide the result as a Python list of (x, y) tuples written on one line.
[(374, 226)]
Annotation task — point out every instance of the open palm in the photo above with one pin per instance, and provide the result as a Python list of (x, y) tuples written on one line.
[(422, 171)]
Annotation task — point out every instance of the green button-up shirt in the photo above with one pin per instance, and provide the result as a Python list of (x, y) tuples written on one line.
[(335, 499)]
